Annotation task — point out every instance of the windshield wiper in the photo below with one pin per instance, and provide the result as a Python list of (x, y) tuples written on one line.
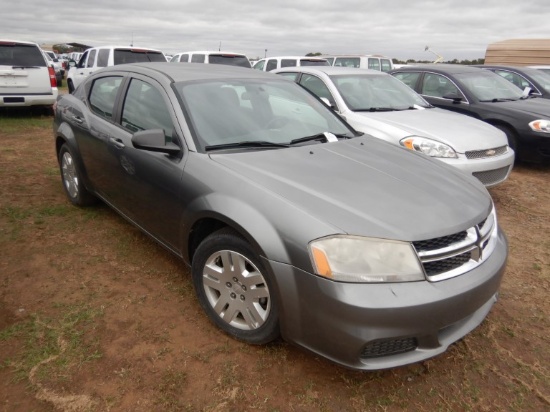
[(499, 99), (378, 109), (319, 136), (252, 143)]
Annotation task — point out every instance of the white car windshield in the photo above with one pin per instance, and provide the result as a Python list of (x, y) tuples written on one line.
[(488, 86), (376, 93), (256, 113)]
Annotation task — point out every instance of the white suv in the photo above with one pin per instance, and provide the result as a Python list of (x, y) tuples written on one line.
[(280, 62), (98, 57), (362, 61), (212, 57), (26, 79)]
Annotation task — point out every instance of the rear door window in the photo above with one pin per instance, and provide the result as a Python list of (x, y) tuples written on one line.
[(288, 63), (198, 58), (374, 63), (103, 58), (103, 94), (409, 78)]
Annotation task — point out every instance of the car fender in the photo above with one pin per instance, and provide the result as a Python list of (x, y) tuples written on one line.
[(258, 224), (64, 135)]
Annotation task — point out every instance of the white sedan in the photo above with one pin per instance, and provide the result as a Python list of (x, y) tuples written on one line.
[(382, 106)]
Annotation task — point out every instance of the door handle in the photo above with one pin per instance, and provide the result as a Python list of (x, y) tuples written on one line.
[(78, 119), (117, 143)]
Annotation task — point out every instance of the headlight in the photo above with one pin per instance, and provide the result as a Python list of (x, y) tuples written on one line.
[(429, 147), (542, 126), (365, 260)]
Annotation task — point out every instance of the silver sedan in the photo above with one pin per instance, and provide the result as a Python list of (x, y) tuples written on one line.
[(377, 104)]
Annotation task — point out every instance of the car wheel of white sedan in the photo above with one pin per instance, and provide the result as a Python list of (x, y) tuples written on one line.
[(235, 289), (72, 179)]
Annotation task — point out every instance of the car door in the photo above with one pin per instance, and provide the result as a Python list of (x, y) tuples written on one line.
[(145, 185), (441, 91), (85, 66)]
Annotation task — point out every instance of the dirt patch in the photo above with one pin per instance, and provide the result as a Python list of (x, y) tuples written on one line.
[(149, 346)]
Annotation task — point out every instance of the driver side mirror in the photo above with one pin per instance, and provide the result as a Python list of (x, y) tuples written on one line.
[(454, 97)]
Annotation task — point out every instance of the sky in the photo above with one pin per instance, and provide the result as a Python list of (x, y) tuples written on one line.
[(401, 29)]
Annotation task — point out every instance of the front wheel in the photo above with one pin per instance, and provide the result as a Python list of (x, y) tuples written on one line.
[(510, 135), (235, 289)]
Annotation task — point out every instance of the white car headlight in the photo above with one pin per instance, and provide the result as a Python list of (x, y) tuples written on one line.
[(365, 260), (429, 147), (542, 126)]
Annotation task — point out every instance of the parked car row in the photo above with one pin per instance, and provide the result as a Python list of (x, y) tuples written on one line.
[(293, 223), (489, 97)]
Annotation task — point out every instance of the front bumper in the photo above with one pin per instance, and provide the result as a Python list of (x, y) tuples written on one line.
[(489, 170), (378, 326)]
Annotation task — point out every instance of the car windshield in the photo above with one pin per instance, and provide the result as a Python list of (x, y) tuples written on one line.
[(488, 86), (229, 59), (376, 93), (263, 114)]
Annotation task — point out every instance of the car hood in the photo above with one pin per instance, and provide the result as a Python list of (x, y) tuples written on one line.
[(461, 132), (367, 187), (537, 107)]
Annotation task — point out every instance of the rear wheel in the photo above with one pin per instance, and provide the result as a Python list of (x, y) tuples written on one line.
[(235, 289), (70, 86), (71, 176)]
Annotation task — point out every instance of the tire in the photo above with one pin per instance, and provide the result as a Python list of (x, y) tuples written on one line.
[(70, 86), (235, 289), (510, 135), (71, 177)]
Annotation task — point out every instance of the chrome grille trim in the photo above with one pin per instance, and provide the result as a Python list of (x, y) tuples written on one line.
[(482, 154), (479, 243)]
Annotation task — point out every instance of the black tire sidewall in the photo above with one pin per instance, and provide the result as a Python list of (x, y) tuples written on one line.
[(229, 240)]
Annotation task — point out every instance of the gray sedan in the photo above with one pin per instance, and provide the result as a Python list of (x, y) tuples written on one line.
[(293, 223)]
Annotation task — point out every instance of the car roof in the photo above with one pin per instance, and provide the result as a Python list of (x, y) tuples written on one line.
[(439, 67), (354, 55), (18, 42), (295, 57), (125, 47), (523, 69), (190, 72), (331, 70)]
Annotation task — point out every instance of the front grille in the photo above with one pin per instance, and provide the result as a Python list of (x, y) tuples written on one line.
[(482, 154), (452, 255), (440, 266), (388, 347), (491, 177), (439, 242)]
